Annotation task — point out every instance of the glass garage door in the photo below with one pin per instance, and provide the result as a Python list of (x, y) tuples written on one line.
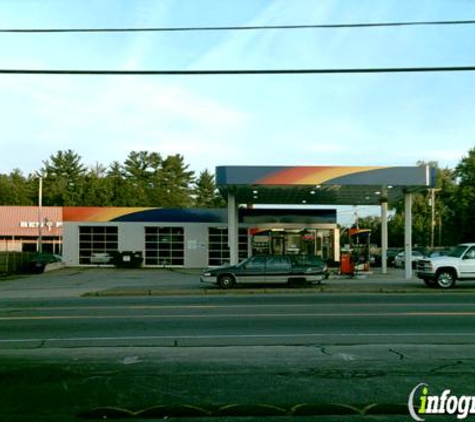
[(218, 249), (164, 246), (97, 241)]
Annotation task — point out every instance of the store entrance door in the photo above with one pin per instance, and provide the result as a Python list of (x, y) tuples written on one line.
[(278, 244)]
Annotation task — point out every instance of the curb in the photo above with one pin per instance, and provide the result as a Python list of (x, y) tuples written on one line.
[(275, 291)]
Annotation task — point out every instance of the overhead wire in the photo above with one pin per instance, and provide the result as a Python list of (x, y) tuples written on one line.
[(237, 71), (239, 28)]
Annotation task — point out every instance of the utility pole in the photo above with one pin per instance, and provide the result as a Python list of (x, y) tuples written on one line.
[(40, 214), (356, 216), (432, 219)]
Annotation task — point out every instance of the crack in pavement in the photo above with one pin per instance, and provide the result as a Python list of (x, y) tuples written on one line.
[(438, 369), (401, 355)]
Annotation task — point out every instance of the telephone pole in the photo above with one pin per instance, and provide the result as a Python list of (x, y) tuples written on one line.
[(432, 219)]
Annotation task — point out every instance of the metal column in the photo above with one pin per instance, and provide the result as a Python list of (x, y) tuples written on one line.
[(384, 237), (408, 235), (233, 231), (40, 214)]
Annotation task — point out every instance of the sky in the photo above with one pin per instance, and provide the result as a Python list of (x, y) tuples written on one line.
[(358, 119)]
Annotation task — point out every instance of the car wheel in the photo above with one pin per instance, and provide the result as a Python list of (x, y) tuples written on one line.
[(226, 281), (296, 281), (445, 279), (429, 282)]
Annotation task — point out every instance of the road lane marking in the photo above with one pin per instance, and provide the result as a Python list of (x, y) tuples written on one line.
[(239, 336), (246, 306), (240, 316)]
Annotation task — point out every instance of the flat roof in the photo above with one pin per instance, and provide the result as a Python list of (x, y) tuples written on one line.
[(317, 185)]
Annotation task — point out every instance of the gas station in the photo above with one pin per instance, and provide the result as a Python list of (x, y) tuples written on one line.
[(324, 185)]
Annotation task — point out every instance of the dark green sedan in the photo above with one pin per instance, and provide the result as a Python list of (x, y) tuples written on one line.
[(291, 269)]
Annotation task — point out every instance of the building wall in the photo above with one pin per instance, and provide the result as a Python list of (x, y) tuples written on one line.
[(19, 227), (132, 238), (71, 244)]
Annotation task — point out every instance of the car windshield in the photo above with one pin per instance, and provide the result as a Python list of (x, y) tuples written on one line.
[(457, 251)]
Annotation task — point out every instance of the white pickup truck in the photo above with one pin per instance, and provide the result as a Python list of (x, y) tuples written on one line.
[(443, 271)]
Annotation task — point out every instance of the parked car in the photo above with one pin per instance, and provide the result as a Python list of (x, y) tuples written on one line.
[(390, 257), (443, 271), (102, 258), (392, 253), (39, 262), (292, 269), (436, 254), (399, 260)]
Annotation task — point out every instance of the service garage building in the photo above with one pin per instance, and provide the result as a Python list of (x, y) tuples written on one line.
[(192, 237)]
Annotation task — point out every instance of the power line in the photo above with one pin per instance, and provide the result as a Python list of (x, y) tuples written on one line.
[(237, 71), (241, 28)]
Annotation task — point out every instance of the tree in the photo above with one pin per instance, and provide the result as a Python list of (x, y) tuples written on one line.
[(205, 192), (15, 189), (463, 202), (97, 188), (121, 192), (372, 223), (422, 213), (172, 183), (140, 172), (142, 165), (63, 179)]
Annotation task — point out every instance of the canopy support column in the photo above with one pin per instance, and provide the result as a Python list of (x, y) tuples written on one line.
[(384, 236), (233, 229), (408, 235)]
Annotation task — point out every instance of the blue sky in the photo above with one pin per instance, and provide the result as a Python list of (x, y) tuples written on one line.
[(380, 119)]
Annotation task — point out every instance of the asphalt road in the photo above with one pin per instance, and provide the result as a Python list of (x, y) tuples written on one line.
[(239, 320), (349, 357)]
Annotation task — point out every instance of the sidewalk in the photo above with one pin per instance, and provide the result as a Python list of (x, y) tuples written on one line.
[(102, 282)]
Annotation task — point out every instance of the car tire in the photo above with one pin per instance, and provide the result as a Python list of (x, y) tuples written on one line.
[(297, 281), (316, 282), (446, 278), (226, 281)]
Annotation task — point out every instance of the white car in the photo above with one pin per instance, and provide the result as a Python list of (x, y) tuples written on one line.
[(399, 260), (443, 271)]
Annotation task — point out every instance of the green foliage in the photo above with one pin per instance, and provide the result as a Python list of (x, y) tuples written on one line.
[(445, 230), (172, 183), (63, 179), (15, 189), (374, 224), (205, 192), (144, 179), (463, 202)]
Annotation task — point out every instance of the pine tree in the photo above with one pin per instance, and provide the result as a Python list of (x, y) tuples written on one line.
[(172, 183), (64, 180), (205, 192)]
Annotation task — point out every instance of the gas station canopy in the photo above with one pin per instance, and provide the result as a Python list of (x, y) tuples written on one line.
[(316, 185)]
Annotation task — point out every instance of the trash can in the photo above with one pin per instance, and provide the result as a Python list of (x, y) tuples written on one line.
[(128, 259), (347, 265)]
